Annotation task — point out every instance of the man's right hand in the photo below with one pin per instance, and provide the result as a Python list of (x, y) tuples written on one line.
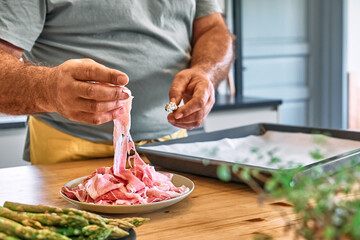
[(81, 90)]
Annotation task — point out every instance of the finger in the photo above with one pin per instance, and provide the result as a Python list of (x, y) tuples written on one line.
[(178, 88), (190, 124), (97, 118), (100, 92), (193, 105), (171, 117), (92, 71), (200, 99), (196, 118), (91, 106)]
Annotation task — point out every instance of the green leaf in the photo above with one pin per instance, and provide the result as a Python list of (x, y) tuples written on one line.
[(245, 174), (270, 185), (255, 172), (274, 160), (214, 151), (254, 149), (235, 168), (223, 172), (330, 232), (316, 154), (318, 170), (321, 138), (205, 161), (355, 230)]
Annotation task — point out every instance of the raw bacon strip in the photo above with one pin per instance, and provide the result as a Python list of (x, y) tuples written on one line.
[(99, 185), (77, 193), (121, 186)]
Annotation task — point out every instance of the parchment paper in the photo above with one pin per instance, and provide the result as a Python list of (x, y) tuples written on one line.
[(272, 150)]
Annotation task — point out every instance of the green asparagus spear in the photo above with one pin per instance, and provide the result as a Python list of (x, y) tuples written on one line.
[(116, 232), (91, 217), (67, 231), (94, 219), (63, 220), (126, 223), (19, 207), (4, 236), (119, 223), (136, 221), (94, 232), (91, 230), (10, 227), (20, 218)]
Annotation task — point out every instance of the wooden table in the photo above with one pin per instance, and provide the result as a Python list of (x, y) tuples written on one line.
[(214, 210)]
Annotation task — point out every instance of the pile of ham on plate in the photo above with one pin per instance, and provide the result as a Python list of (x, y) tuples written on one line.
[(119, 189)]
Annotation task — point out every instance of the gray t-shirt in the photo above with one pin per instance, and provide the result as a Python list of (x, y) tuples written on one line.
[(149, 40)]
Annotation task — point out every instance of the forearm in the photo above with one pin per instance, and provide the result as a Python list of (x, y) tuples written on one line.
[(24, 89), (213, 53)]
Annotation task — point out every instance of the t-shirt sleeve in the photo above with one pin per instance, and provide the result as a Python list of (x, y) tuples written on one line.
[(206, 7), (21, 21)]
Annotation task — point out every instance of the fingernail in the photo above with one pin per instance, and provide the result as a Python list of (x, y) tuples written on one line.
[(121, 80), (179, 115)]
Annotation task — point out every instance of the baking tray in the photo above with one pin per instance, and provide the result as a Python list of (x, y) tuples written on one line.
[(195, 165)]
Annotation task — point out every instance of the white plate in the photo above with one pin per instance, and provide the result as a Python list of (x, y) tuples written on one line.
[(177, 180)]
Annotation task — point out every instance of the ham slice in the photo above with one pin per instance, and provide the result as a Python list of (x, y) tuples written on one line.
[(119, 185)]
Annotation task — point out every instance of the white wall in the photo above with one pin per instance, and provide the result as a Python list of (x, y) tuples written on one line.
[(353, 37), (275, 55), (11, 147)]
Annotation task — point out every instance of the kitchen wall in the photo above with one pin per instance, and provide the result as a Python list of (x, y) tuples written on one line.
[(11, 147), (353, 60), (275, 54), (353, 31)]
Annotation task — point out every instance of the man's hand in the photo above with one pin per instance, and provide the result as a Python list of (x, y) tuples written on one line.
[(211, 57), (198, 94), (81, 90)]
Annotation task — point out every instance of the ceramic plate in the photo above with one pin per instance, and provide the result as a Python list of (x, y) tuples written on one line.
[(177, 180)]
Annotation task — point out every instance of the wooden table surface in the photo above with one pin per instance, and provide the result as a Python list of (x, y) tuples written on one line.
[(214, 210)]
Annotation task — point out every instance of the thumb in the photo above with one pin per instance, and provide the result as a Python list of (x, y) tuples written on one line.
[(178, 87)]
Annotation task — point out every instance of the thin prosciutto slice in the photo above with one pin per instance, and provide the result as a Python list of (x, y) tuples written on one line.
[(119, 185)]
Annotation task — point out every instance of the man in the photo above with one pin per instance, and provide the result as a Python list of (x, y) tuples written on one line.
[(162, 49)]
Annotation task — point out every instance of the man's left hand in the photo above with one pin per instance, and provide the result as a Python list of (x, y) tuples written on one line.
[(197, 91)]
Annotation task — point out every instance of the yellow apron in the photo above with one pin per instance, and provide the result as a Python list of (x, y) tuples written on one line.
[(49, 145)]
